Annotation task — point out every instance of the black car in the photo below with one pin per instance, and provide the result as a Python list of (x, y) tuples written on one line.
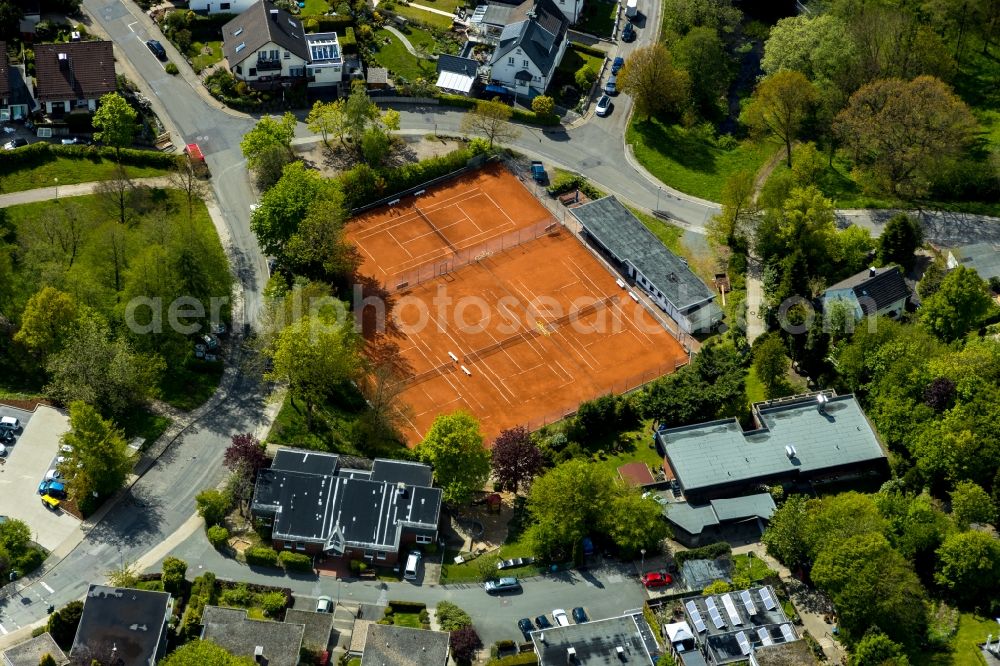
[(579, 615), (628, 33), (7, 437), (157, 49), (543, 622), (524, 624)]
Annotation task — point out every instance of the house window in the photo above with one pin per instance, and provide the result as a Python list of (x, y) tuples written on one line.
[(381, 556), (288, 545), (369, 554), (296, 71), (421, 538), (525, 63), (510, 60), (223, 6), (80, 103), (287, 55), (239, 69), (253, 71), (538, 78), (299, 545)]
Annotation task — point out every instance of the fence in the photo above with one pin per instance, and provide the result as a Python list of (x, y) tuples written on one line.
[(478, 252)]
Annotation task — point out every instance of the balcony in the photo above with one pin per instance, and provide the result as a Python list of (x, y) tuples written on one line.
[(268, 65)]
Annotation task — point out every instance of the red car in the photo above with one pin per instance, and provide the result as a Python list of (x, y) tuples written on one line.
[(656, 579)]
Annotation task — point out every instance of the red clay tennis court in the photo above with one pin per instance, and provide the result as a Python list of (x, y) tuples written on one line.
[(520, 335)]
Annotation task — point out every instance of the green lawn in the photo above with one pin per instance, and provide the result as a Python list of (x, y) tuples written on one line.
[(354, 662), (468, 572), (199, 60), (573, 60), (423, 16), (685, 161), (444, 5), (69, 171), (756, 392), (186, 387), (407, 620), (145, 424), (598, 18), (314, 7), (757, 568), (392, 54), (971, 630)]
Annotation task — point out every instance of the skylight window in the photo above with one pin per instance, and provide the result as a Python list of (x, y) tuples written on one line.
[(241, 46), (238, 32)]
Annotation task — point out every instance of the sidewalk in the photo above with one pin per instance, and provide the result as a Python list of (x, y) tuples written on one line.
[(64, 191)]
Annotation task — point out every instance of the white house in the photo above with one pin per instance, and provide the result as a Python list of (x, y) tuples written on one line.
[(220, 6), (531, 47), (872, 292), (326, 61)]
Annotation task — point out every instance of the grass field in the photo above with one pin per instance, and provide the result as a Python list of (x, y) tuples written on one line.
[(69, 171), (468, 572), (756, 392), (407, 620), (145, 424), (755, 566), (443, 5), (573, 60), (314, 7), (685, 161), (392, 54), (424, 16), (971, 630), (199, 60), (188, 389)]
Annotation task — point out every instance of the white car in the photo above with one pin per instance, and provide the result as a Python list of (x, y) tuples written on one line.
[(603, 106), (559, 615), (3, 451), (53, 475), (324, 605)]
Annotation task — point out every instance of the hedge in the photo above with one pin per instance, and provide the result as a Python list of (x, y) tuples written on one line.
[(322, 23), (262, 556), (566, 182), (295, 561), (202, 593), (349, 43), (38, 153), (405, 607), (709, 552), (457, 100), (653, 623), (518, 115), (523, 659), (590, 50)]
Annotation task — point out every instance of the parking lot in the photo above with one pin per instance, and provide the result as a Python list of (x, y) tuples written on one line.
[(27, 462)]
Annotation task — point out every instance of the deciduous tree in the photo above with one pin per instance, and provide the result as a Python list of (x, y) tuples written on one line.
[(654, 82), (465, 643), (702, 55), (958, 306), (680, 16), (204, 653), (778, 107), (172, 577), (266, 134), (771, 364), (785, 537), (299, 194), (877, 649), (245, 448), (213, 505), (821, 47), (63, 624), (734, 226), (100, 460), (115, 122), (515, 459), (634, 522), (971, 504), (328, 118), (454, 448), (47, 321), (900, 240), (969, 566), (491, 120)]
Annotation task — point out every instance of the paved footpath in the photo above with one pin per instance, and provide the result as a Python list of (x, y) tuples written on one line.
[(76, 190)]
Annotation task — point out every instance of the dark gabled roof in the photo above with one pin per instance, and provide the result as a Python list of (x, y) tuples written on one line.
[(451, 63), (88, 72), (254, 28), (131, 621), (694, 518), (4, 71), (875, 288), (624, 236), (318, 627), (230, 628), (405, 646), (538, 28)]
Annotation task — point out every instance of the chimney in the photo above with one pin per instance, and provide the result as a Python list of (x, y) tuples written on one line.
[(872, 271), (571, 655), (258, 654), (63, 61), (790, 451), (274, 15), (821, 401)]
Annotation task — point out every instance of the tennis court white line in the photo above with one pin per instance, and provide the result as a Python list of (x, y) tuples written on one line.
[(401, 245), (482, 368), (500, 208)]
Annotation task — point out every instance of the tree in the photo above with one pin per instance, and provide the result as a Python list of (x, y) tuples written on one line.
[(359, 111), (491, 120), (465, 642), (314, 355), (655, 84), (820, 47), (785, 537), (99, 461), (450, 617), (270, 164), (680, 16), (115, 194), (47, 321), (938, 129), (172, 577), (10, 17), (299, 194), (115, 122), (734, 226), (778, 106), (213, 505), (634, 522), (771, 364), (454, 448), (328, 118), (515, 459), (318, 249), (543, 105), (900, 240), (266, 134), (185, 178), (204, 653), (971, 504), (15, 536), (969, 566), (958, 306), (932, 278), (702, 54), (47, 660), (877, 649), (245, 448), (63, 623)]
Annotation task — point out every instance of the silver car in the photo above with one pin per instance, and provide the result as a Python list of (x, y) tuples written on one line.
[(502, 585), (603, 106)]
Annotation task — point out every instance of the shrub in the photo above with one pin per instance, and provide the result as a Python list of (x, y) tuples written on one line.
[(261, 556), (273, 603), (585, 77), (709, 552), (505, 645), (543, 105), (295, 561), (213, 505), (28, 561), (238, 596), (36, 154), (451, 617), (407, 606), (218, 536), (64, 622), (173, 575), (464, 643), (171, 69), (717, 587), (457, 100)]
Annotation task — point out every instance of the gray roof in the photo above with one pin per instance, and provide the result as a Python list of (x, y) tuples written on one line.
[(318, 627), (254, 28), (230, 628), (499, 14), (699, 574), (132, 621), (596, 642), (389, 645), (308, 462), (4, 71), (720, 452), (452, 63), (31, 651), (875, 288), (695, 518), (984, 258), (627, 238), (538, 29), (692, 658), (760, 627)]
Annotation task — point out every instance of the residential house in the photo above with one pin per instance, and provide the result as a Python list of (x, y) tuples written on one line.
[(531, 47), (326, 61), (266, 46), (404, 646), (220, 6), (626, 640), (456, 75), (719, 519), (495, 10), (267, 642), (642, 257), (880, 292), (984, 258), (31, 651), (318, 628), (798, 440), (31, 15), (317, 507), (73, 75), (124, 624), (15, 94)]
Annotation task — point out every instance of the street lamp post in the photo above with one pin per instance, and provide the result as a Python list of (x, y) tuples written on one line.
[(57, 188), (658, 190), (642, 562)]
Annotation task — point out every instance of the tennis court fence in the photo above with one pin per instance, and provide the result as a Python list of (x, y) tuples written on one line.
[(478, 252)]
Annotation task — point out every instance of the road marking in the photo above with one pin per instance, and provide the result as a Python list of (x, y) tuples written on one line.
[(45, 585), (132, 24), (2, 630)]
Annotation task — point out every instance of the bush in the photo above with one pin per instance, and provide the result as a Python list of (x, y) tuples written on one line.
[(464, 644), (589, 50), (64, 622), (213, 505), (295, 561), (543, 105), (174, 570), (171, 69), (585, 77), (273, 603), (459, 101), (349, 43), (709, 552), (339, 24), (407, 606), (218, 536), (451, 617), (238, 596), (36, 154), (28, 561), (261, 556)]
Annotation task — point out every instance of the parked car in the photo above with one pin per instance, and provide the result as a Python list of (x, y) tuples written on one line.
[(611, 87), (7, 437), (10, 423), (579, 615), (53, 475), (50, 502), (515, 562), (617, 65), (324, 605), (657, 579), (542, 622), (538, 172), (628, 33), (502, 585), (15, 143), (524, 624), (53, 489), (559, 615), (157, 49), (3, 451), (603, 106), (210, 341)]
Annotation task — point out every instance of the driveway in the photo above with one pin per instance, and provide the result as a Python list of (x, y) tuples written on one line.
[(27, 463)]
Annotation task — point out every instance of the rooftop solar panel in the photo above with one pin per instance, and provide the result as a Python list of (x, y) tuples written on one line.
[(716, 618), (788, 633), (748, 602), (734, 617), (692, 608), (710, 603), (741, 638), (767, 599), (765, 636)]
